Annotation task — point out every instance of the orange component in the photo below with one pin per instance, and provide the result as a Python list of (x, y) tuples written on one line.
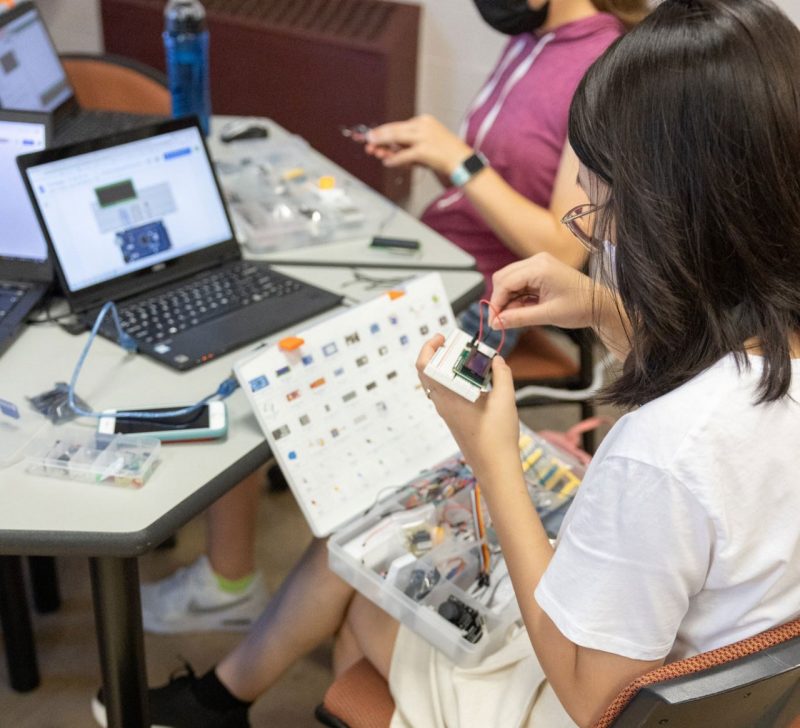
[(327, 182), (394, 295), (317, 382), (290, 343)]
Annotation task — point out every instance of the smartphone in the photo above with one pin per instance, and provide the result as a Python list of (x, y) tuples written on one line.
[(205, 423)]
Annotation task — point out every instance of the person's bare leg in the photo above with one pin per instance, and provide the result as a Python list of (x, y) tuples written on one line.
[(312, 605), (374, 631), (231, 529), (346, 651), (309, 607)]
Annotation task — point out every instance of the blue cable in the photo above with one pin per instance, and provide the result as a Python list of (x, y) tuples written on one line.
[(225, 389)]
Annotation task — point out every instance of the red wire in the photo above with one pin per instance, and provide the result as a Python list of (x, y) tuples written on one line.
[(497, 316)]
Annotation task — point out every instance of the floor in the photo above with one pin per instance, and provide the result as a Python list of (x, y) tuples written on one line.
[(68, 654)]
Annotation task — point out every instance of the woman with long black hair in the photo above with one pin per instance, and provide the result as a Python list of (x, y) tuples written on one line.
[(685, 533)]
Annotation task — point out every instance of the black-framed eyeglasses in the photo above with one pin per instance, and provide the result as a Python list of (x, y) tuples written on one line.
[(578, 224)]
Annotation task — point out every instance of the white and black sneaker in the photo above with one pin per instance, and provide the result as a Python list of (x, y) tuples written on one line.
[(191, 600)]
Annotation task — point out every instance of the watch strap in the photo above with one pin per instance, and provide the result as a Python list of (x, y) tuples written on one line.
[(468, 169)]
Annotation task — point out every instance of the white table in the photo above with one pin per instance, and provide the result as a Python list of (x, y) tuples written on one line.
[(112, 526), (436, 252)]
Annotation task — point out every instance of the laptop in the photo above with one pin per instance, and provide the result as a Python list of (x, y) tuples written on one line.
[(32, 78), (139, 218), (25, 268)]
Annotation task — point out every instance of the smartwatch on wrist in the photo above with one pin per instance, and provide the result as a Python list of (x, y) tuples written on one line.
[(468, 169)]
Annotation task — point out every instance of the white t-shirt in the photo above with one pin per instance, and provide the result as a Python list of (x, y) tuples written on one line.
[(685, 535)]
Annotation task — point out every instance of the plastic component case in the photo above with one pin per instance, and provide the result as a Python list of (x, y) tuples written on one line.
[(18, 426), (283, 195), (122, 460), (418, 549), (463, 365)]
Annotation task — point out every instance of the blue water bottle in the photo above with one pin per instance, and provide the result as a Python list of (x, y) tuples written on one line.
[(186, 47)]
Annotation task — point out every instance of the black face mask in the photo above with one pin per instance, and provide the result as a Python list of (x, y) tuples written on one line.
[(512, 17)]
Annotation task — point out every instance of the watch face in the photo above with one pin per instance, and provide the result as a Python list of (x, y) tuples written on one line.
[(474, 164)]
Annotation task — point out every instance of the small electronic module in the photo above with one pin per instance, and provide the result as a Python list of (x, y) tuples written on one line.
[(462, 364)]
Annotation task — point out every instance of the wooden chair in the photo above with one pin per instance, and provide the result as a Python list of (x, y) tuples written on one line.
[(754, 683), (113, 83)]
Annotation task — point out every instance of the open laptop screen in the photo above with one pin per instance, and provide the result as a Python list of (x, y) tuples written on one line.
[(20, 235), (31, 75), (123, 208)]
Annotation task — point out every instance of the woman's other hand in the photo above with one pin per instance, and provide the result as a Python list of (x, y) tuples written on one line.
[(487, 431), (420, 140), (541, 290)]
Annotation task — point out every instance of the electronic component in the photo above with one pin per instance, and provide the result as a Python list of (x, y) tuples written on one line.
[(245, 129), (463, 365), (394, 243), (464, 617), (357, 132), (419, 541), (421, 582)]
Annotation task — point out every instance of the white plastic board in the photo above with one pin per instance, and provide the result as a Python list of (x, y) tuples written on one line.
[(345, 414)]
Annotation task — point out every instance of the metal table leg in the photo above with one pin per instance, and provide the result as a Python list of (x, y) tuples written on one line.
[(15, 619), (44, 581), (118, 619)]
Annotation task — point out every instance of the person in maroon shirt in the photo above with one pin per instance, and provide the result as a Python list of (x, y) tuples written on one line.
[(517, 125)]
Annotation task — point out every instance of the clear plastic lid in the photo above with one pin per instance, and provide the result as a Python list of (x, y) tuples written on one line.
[(75, 454), (283, 195), (18, 426)]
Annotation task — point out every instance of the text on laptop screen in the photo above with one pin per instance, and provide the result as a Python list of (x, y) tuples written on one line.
[(20, 234), (31, 75), (113, 211)]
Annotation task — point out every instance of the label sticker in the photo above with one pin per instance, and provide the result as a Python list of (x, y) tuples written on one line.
[(9, 409)]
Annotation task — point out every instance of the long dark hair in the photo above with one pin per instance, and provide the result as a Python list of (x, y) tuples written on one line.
[(693, 121)]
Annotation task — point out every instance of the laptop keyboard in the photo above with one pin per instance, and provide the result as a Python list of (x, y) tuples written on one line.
[(91, 125), (214, 294), (10, 294)]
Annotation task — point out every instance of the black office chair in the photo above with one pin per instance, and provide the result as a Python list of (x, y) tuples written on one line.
[(754, 683)]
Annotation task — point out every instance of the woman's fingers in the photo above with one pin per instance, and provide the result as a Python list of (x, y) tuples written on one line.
[(428, 350)]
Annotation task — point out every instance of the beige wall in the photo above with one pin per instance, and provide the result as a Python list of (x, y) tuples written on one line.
[(457, 51), (74, 24)]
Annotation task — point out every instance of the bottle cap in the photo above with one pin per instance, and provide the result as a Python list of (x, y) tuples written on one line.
[(185, 16)]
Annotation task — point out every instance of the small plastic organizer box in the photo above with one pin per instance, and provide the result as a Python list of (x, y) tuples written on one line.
[(18, 426), (283, 195), (74, 454), (418, 553)]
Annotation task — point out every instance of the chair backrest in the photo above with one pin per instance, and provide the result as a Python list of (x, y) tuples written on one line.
[(113, 83), (754, 683)]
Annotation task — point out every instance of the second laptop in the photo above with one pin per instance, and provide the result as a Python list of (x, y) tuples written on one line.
[(139, 218)]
